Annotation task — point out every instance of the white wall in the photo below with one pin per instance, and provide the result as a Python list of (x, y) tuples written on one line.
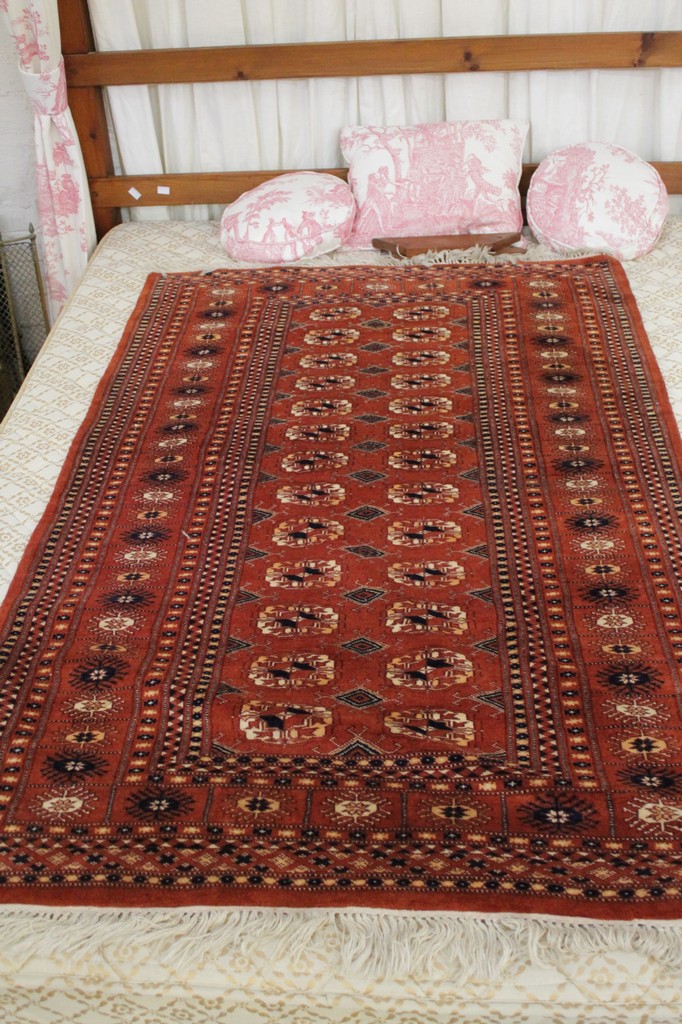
[(18, 206), (17, 164)]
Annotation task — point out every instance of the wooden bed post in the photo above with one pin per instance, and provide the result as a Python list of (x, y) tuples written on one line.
[(87, 106)]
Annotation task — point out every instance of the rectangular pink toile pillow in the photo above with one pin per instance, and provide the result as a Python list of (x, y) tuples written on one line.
[(452, 177)]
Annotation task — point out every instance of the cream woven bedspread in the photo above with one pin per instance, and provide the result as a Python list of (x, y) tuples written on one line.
[(86, 987)]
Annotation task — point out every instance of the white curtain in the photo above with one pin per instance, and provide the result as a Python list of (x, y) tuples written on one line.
[(271, 125), (67, 227)]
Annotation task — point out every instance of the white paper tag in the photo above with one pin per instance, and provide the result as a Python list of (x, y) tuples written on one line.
[(134, 193)]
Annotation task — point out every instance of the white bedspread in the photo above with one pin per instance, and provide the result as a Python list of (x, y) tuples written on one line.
[(87, 988)]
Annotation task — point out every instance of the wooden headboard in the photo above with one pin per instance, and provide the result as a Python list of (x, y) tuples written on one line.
[(88, 71)]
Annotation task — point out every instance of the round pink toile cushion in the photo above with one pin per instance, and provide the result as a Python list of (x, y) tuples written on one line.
[(594, 195), (291, 216)]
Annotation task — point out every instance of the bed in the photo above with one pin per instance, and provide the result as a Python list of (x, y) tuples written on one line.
[(197, 964)]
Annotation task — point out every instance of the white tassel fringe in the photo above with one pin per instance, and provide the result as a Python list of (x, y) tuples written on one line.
[(482, 254), (352, 942)]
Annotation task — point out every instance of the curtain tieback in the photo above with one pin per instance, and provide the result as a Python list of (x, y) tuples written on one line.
[(47, 90)]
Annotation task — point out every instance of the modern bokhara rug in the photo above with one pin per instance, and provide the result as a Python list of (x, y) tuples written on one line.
[(361, 587)]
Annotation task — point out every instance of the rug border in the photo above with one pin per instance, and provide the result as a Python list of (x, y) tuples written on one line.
[(105, 901)]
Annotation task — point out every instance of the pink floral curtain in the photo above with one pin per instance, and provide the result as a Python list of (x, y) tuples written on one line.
[(67, 227)]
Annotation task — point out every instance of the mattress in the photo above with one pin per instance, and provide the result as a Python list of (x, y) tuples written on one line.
[(161, 981)]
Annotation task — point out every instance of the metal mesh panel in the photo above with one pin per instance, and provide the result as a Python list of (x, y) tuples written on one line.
[(23, 314)]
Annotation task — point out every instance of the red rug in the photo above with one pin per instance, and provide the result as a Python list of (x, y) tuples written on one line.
[(360, 587)]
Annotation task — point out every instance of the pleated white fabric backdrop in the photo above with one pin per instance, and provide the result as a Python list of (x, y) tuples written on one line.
[(270, 125)]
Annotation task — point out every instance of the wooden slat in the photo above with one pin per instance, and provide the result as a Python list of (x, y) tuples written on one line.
[(386, 57), (222, 188), (75, 26), (87, 107), (186, 189), (671, 172)]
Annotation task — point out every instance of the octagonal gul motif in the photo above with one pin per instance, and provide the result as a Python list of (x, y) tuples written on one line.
[(322, 407), (439, 725), (426, 574), (333, 336), (330, 383), (420, 405), (328, 360), (424, 357), (335, 313), (292, 670), (318, 432), (303, 532), (312, 461), (423, 617), (295, 620), (421, 430), (417, 381), (430, 669), (312, 494), (430, 333), (424, 531), (283, 723), (425, 312), (422, 493), (425, 458), (304, 574)]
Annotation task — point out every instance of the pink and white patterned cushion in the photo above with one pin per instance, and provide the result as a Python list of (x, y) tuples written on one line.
[(291, 216), (451, 177), (598, 196)]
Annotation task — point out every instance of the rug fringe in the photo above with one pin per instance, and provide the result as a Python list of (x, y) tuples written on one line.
[(482, 254), (365, 943)]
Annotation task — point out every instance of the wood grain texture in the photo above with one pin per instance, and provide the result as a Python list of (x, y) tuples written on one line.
[(75, 26), (414, 245), (186, 189), (372, 57), (214, 187), (87, 108)]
